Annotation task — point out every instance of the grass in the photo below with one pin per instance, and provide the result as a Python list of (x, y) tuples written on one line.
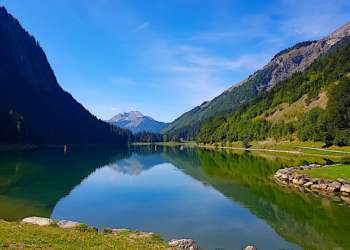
[(306, 148), (339, 171), (14, 235)]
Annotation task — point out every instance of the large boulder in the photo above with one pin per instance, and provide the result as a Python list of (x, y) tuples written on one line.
[(184, 244), (38, 221)]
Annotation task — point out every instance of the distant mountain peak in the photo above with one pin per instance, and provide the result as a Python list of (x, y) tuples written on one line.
[(137, 122)]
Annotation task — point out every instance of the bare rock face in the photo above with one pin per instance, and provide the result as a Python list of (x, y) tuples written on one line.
[(300, 56), (38, 221), (184, 244), (68, 224)]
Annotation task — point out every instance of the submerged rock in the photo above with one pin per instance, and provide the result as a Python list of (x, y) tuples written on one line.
[(250, 248), (184, 244), (38, 221)]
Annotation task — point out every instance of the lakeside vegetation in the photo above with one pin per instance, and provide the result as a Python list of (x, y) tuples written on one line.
[(14, 235), (341, 171)]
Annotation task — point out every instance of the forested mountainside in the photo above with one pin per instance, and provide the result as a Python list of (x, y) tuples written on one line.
[(281, 67), (311, 105), (33, 107)]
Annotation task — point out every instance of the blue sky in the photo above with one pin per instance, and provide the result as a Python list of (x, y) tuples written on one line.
[(165, 57)]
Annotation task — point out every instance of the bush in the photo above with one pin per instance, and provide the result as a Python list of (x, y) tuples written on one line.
[(246, 142), (342, 138)]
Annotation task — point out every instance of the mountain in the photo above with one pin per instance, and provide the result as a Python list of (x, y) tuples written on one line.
[(313, 105), (137, 122), (33, 107), (281, 67)]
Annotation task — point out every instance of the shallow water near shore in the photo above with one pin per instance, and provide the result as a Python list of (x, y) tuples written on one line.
[(223, 200)]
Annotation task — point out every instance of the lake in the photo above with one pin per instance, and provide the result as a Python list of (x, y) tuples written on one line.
[(223, 200)]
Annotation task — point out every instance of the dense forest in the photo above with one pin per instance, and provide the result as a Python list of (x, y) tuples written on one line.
[(147, 137), (317, 102)]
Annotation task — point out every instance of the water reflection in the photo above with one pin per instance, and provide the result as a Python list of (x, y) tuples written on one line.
[(222, 199)]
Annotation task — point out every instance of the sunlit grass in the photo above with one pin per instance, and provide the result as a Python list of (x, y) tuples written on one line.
[(15, 235), (340, 171)]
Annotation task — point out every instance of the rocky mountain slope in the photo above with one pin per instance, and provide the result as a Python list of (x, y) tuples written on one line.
[(310, 106), (137, 122), (34, 109), (282, 66)]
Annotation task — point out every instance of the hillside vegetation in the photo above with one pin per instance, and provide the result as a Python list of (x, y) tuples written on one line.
[(312, 105)]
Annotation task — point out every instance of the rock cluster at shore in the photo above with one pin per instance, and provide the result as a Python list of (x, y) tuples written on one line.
[(292, 177), (178, 244)]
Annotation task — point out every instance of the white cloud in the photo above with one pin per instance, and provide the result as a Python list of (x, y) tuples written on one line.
[(142, 26)]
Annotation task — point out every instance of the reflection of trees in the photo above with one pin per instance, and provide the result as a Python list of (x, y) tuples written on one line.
[(32, 182), (304, 219)]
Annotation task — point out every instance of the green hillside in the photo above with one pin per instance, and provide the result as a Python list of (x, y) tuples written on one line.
[(312, 105)]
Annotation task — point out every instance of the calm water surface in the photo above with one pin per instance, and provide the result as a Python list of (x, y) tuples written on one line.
[(221, 199)]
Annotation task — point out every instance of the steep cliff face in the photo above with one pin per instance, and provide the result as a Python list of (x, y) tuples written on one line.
[(33, 107), (282, 66)]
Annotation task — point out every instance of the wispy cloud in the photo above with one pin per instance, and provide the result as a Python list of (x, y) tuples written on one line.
[(121, 81), (313, 18), (142, 26)]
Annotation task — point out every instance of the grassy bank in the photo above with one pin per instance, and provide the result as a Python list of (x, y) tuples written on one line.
[(340, 171), (294, 147), (14, 235)]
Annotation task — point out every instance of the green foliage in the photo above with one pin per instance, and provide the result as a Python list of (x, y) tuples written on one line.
[(14, 235), (147, 137), (331, 125)]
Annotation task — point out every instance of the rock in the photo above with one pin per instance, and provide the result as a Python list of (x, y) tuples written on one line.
[(250, 248), (323, 186), (38, 221), (316, 180), (343, 181), (119, 230), (308, 184), (345, 188), (68, 224), (335, 185), (315, 186), (184, 244), (345, 198), (284, 176)]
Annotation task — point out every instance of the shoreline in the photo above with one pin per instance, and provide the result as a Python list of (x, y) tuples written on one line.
[(338, 190), (128, 238)]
